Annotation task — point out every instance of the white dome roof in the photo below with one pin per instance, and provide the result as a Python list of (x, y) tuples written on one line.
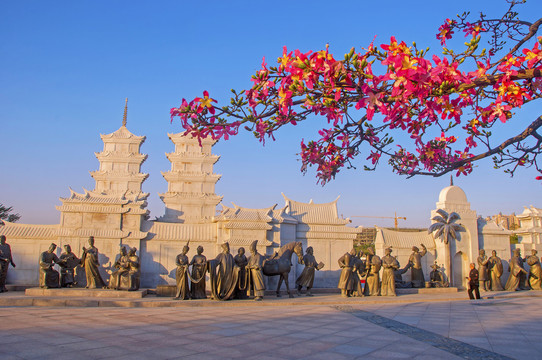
[(452, 194)]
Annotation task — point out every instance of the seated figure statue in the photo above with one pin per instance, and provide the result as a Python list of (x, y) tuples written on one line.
[(436, 277), (49, 277), (122, 267), (68, 262)]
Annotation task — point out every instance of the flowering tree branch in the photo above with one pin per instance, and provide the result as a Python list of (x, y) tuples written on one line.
[(447, 105)]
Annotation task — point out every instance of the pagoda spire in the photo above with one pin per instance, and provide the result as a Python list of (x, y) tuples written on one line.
[(125, 113)]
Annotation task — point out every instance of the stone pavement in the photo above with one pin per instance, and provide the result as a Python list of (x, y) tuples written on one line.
[(501, 328)]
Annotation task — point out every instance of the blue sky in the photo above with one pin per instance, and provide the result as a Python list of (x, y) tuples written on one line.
[(66, 67)]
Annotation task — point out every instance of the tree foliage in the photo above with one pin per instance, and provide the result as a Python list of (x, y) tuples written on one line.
[(448, 104), (6, 214)]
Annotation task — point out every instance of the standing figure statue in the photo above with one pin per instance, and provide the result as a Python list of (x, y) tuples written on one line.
[(495, 270), (223, 275), (68, 263), (199, 269), (5, 260), (346, 281), (49, 277), (358, 272), (134, 273), (373, 265), (416, 271), (535, 274), (482, 269), (514, 282), (306, 279), (181, 276), (122, 267), (255, 265), (90, 262), (389, 265), (241, 262)]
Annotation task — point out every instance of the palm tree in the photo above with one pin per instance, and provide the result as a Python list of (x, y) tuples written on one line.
[(445, 227)]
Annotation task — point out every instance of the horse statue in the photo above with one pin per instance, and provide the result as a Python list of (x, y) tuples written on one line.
[(281, 263)]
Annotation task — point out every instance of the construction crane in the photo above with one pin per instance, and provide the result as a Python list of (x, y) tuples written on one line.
[(395, 218)]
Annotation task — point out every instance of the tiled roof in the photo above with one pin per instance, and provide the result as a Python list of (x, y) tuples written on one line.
[(311, 213), (404, 239), (281, 216), (252, 225), (93, 197), (29, 231), (182, 232), (245, 214), (123, 133)]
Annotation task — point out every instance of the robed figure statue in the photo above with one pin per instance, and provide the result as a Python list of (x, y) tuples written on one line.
[(90, 262), (223, 274), (181, 275), (535, 274), (49, 277), (495, 271), (68, 262), (306, 279), (199, 269), (241, 261), (515, 280), (5, 261), (416, 271), (389, 266), (255, 282)]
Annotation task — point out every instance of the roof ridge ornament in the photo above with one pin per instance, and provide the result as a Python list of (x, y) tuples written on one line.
[(125, 113)]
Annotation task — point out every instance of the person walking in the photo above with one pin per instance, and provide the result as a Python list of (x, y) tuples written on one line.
[(474, 284)]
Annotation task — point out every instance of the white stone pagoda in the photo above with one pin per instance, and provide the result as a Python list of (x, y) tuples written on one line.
[(191, 182)]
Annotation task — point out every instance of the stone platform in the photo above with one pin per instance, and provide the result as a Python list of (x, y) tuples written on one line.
[(448, 290), (85, 293)]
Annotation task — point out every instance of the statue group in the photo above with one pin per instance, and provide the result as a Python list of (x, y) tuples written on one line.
[(361, 276), (125, 276), (239, 277)]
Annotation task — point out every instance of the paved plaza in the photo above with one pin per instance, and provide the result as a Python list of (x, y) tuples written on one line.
[(500, 328)]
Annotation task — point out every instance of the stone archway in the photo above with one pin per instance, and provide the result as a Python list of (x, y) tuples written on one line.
[(460, 263)]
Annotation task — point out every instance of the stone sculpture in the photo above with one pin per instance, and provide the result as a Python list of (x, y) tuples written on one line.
[(515, 282), (535, 274), (372, 265), (358, 272), (416, 271), (281, 264), (389, 265), (306, 279), (398, 274), (255, 265), (199, 269), (5, 260), (122, 267), (68, 262), (181, 276), (223, 275), (346, 281), (495, 270), (49, 277), (90, 262), (482, 269), (134, 273), (436, 277), (241, 262)]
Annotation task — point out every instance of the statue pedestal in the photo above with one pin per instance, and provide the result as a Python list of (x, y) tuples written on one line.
[(86, 293), (426, 291)]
